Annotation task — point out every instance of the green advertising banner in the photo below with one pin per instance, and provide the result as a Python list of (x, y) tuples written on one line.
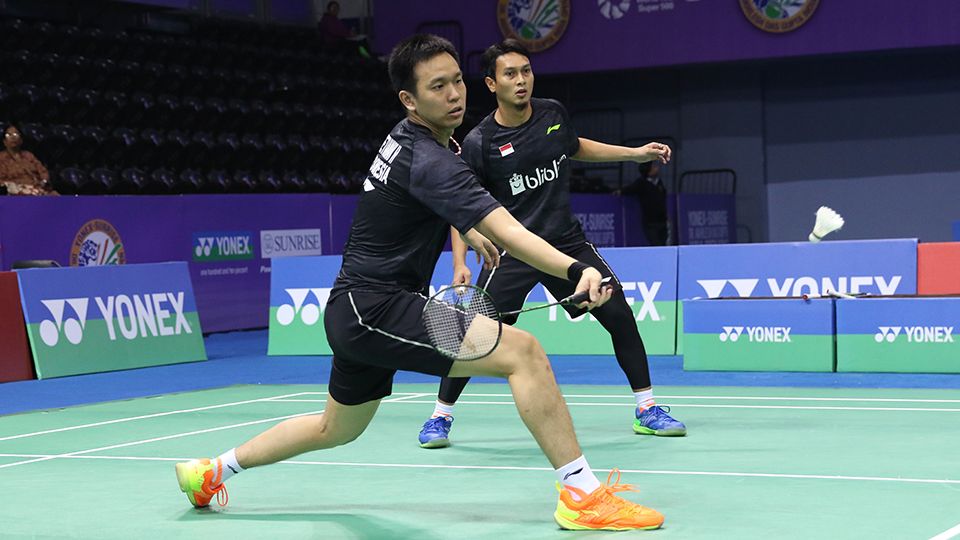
[(300, 287), (758, 335), (106, 318), (649, 279), (899, 335)]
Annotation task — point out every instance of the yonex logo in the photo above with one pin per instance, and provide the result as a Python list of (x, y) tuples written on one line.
[(757, 334), (222, 246), (309, 313), (888, 333), (135, 315), (72, 327), (731, 333), (798, 286), (915, 334), (203, 247)]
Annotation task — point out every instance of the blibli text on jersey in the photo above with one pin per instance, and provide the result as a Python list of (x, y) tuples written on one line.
[(520, 183)]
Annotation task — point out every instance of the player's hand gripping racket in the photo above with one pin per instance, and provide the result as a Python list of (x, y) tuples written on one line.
[(464, 324)]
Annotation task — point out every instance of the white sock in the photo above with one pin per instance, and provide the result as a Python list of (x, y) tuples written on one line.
[(578, 474), (442, 409), (228, 465), (645, 399)]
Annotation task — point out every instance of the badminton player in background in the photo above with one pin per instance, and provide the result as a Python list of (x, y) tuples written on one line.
[(417, 187), (521, 152)]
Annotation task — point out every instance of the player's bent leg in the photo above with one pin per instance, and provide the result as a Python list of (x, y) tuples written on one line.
[(202, 479), (649, 418), (520, 359)]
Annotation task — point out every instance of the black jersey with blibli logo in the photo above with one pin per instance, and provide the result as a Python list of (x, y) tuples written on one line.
[(527, 169), (414, 191)]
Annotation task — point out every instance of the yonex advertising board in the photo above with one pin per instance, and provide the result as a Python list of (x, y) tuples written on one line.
[(878, 267), (649, 278), (759, 335), (917, 335), (105, 318), (299, 290)]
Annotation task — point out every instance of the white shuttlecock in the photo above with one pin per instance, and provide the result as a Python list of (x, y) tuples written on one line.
[(827, 222)]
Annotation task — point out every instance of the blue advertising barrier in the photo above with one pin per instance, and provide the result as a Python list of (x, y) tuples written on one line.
[(879, 267), (918, 335), (301, 286), (105, 318), (759, 335)]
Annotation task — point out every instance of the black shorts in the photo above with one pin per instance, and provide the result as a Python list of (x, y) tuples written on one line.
[(511, 282), (372, 336)]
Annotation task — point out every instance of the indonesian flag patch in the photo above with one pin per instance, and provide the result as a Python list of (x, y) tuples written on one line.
[(506, 150)]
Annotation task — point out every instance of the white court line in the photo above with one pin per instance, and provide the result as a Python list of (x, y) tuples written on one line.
[(948, 534), (145, 416), (518, 468), (179, 435), (741, 398), (181, 411), (684, 405)]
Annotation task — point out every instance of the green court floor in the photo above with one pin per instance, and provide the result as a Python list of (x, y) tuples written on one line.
[(758, 463)]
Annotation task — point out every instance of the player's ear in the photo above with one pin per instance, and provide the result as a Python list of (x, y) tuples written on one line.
[(491, 84), (408, 100)]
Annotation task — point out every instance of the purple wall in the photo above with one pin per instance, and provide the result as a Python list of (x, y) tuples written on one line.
[(691, 32)]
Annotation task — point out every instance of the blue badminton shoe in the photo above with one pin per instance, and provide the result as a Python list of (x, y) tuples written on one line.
[(436, 432), (656, 421)]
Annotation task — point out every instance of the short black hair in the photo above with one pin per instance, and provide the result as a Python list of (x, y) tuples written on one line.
[(488, 62), (410, 52)]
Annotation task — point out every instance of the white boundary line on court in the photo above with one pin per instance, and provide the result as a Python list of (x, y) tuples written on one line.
[(518, 468), (948, 534), (180, 411), (179, 435), (407, 395), (685, 405), (741, 398)]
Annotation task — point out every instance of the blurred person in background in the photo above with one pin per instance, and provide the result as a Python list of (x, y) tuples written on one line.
[(20, 171), (652, 194)]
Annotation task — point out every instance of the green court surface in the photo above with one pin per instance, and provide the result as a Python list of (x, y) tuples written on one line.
[(758, 463)]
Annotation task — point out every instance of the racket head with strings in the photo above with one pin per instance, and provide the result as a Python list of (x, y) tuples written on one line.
[(462, 322)]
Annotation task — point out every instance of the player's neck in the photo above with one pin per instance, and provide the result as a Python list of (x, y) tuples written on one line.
[(442, 135), (511, 116)]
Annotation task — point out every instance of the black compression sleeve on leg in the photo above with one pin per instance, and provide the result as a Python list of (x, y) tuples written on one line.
[(451, 388), (617, 318)]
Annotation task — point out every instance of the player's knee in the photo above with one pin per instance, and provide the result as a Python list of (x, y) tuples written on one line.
[(328, 435)]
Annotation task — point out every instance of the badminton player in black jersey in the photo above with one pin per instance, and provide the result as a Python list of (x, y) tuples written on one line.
[(416, 189), (521, 152)]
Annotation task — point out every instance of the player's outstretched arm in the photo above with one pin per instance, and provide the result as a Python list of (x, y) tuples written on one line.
[(482, 246), (506, 231), (601, 152)]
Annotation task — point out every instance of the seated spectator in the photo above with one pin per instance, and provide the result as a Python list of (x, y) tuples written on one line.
[(20, 171), (335, 34)]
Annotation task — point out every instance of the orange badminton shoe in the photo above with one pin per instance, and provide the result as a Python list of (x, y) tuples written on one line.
[(602, 510), (200, 479)]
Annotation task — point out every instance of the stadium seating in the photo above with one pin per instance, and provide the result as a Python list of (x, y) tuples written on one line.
[(227, 106)]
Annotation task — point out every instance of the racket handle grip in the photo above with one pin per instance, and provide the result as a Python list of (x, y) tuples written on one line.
[(585, 295)]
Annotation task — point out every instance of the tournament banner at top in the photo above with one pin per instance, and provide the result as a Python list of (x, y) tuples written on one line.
[(94, 319), (782, 270), (649, 279)]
